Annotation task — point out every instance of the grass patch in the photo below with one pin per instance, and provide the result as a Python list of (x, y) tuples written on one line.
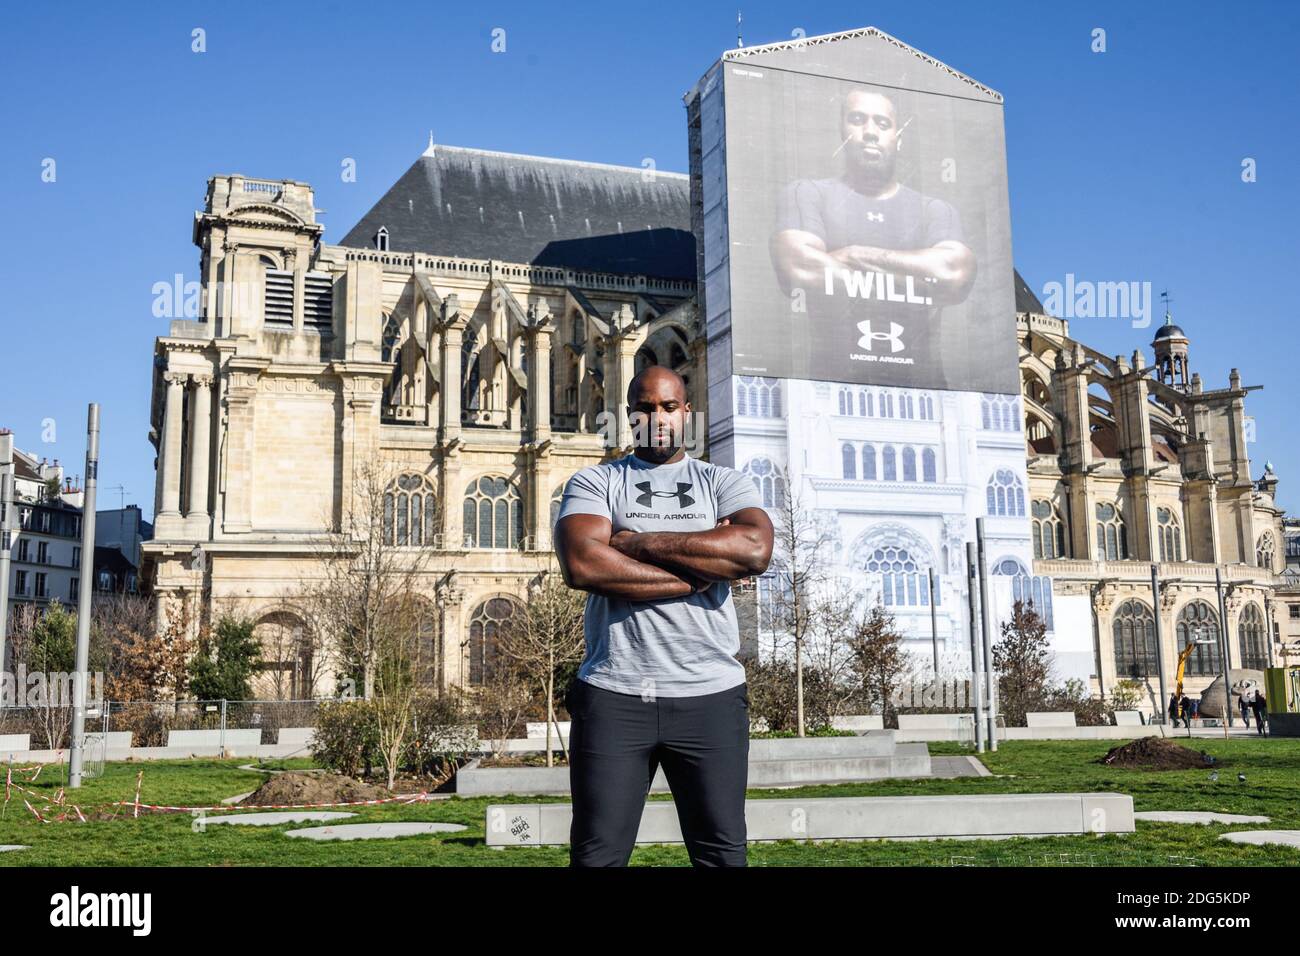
[(1272, 788)]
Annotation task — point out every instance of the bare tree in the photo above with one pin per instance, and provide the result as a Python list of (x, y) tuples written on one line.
[(542, 638), (830, 650), (879, 660), (502, 698), (800, 558), (360, 605)]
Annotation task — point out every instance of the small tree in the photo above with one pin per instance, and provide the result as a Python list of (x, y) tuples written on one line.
[(226, 660), (544, 638), (1023, 660), (51, 652), (879, 661), (800, 557)]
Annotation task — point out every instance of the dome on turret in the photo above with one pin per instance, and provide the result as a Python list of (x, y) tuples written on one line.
[(1169, 331)]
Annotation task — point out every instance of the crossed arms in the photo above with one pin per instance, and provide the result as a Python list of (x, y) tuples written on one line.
[(655, 565), (801, 259)]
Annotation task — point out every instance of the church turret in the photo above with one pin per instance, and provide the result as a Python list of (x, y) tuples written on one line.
[(1170, 346)]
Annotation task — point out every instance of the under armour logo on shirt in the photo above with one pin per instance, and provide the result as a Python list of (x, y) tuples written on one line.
[(893, 336), (648, 494), (875, 217)]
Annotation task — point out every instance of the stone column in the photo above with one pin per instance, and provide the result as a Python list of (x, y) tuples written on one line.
[(200, 447), (241, 395), (173, 437), (451, 330)]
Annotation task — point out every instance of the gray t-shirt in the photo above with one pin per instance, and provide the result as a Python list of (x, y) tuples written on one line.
[(676, 647)]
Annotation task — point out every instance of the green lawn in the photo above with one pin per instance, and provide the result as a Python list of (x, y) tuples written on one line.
[(1272, 788)]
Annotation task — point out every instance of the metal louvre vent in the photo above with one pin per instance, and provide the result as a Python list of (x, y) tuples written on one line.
[(278, 301), (318, 301)]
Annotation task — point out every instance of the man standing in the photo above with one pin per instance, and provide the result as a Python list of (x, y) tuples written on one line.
[(656, 537)]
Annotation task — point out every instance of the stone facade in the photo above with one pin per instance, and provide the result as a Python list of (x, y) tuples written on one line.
[(1131, 467), (466, 379), (482, 385)]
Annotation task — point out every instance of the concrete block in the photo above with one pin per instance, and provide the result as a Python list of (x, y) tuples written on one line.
[(11, 743), (1050, 718), (945, 722), (295, 736), (1128, 718), (877, 744), (858, 722), (538, 729), (242, 740), (965, 816)]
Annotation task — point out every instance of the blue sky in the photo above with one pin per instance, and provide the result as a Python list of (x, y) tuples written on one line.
[(1124, 165)]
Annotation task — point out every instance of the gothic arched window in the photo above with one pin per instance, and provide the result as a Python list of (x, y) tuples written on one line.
[(486, 625), (1264, 551), (903, 581), (769, 480), (999, 413), (1251, 633), (928, 469), (1048, 530), (869, 462), (889, 460), (410, 512), (759, 397), (1170, 535), (1005, 494), (909, 463), (1134, 634), (849, 459), (1112, 535), (494, 514), (1197, 622)]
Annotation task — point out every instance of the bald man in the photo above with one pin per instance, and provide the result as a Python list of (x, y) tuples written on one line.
[(874, 260), (655, 538)]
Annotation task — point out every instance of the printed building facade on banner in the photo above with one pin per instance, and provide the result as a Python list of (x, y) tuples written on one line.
[(853, 248)]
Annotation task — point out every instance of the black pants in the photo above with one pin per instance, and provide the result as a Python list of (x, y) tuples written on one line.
[(617, 743)]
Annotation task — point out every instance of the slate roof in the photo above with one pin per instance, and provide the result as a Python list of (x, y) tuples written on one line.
[(478, 204), (1026, 300)]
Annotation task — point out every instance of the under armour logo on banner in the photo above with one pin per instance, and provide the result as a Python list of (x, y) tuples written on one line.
[(648, 494), (893, 336)]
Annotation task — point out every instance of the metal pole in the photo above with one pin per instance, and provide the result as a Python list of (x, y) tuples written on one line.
[(934, 628), (6, 538), (976, 668), (986, 626), (1223, 637), (1160, 646), (80, 677)]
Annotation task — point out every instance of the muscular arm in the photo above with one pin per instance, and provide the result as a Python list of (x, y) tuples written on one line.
[(801, 260), (740, 546), (589, 563)]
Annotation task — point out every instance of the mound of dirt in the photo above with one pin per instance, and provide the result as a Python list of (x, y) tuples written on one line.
[(292, 789), (1156, 753)]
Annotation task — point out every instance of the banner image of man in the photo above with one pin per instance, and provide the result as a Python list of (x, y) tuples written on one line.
[(874, 260)]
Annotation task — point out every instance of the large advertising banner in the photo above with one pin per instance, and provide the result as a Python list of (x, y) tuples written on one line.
[(869, 229), (855, 271)]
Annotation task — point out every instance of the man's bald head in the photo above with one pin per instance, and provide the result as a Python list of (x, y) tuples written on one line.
[(655, 379), (657, 411)]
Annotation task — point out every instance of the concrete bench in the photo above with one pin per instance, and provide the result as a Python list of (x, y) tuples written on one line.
[(1128, 718), (234, 740), (538, 729), (1050, 718), (858, 722), (951, 723), (877, 744), (10, 743), (912, 760), (295, 736), (965, 816)]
